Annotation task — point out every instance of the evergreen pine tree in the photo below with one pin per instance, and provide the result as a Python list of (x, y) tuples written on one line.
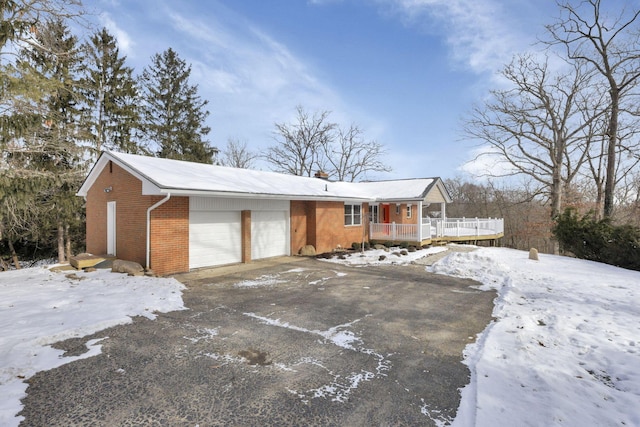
[(27, 188), (111, 96), (52, 152), (173, 113)]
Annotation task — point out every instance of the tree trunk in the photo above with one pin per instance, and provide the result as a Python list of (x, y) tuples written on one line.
[(612, 133), (61, 258), (14, 255), (556, 201), (597, 214), (67, 245)]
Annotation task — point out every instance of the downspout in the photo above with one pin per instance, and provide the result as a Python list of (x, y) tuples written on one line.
[(149, 225)]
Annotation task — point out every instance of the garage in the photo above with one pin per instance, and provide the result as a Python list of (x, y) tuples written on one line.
[(215, 230), (269, 234), (214, 238)]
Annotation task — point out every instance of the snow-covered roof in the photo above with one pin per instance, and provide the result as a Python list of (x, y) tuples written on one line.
[(161, 176)]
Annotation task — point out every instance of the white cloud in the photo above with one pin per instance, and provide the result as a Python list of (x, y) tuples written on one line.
[(482, 34), (254, 78), (487, 162)]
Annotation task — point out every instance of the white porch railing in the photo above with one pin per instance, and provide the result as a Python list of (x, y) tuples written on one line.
[(437, 228), (393, 231)]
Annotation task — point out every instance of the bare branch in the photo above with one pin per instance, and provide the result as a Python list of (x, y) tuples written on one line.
[(237, 155), (538, 124)]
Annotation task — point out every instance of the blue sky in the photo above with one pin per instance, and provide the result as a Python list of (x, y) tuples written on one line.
[(406, 71)]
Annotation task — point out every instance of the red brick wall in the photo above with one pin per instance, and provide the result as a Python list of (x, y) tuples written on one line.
[(329, 229), (401, 218), (298, 225), (130, 214), (96, 222), (169, 235), (312, 224), (169, 230)]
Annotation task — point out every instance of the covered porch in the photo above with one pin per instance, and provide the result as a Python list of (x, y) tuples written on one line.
[(429, 224)]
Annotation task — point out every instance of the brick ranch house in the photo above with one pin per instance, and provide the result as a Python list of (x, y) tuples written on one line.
[(173, 216)]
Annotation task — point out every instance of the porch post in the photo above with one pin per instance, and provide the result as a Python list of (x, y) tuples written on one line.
[(420, 221)]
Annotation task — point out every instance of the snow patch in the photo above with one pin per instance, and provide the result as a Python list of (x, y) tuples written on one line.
[(264, 280), (382, 257), (39, 307), (341, 385)]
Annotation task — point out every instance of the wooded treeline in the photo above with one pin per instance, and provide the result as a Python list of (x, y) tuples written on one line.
[(527, 213), (62, 101), (565, 120)]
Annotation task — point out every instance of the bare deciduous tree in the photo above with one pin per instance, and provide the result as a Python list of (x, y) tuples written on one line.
[(539, 126), (610, 45), (300, 145), (237, 155), (315, 144), (352, 156)]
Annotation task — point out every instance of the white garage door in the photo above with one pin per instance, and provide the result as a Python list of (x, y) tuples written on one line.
[(214, 238), (269, 234)]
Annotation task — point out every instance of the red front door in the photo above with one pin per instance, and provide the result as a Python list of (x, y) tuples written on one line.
[(385, 214)]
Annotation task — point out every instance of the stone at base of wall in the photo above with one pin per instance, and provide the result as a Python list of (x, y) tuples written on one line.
[(308, 250), (129, 267)]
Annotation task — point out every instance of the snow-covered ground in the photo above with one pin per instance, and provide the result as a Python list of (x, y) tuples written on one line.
[(392, 256), (39, 307), (564, 348)]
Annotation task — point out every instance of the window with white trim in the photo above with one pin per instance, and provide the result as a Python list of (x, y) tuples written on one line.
[(408, 211), (352, 214), (373, 214)]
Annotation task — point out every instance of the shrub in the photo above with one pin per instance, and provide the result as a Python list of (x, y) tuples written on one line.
[(404, 245), (598, 240), (356, 246)]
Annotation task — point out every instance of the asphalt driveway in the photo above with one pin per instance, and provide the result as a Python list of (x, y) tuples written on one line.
[(300, 342)]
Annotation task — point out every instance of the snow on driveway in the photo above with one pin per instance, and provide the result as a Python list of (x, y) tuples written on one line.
[(564, 348), (39, 307)]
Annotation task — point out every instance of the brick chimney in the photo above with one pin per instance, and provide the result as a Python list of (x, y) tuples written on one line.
[(322, 175)]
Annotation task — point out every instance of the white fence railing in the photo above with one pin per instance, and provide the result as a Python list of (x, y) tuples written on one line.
[(466, 227), (434, 228)]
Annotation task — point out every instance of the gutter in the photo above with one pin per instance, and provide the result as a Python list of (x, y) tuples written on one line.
[(166, 199)]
